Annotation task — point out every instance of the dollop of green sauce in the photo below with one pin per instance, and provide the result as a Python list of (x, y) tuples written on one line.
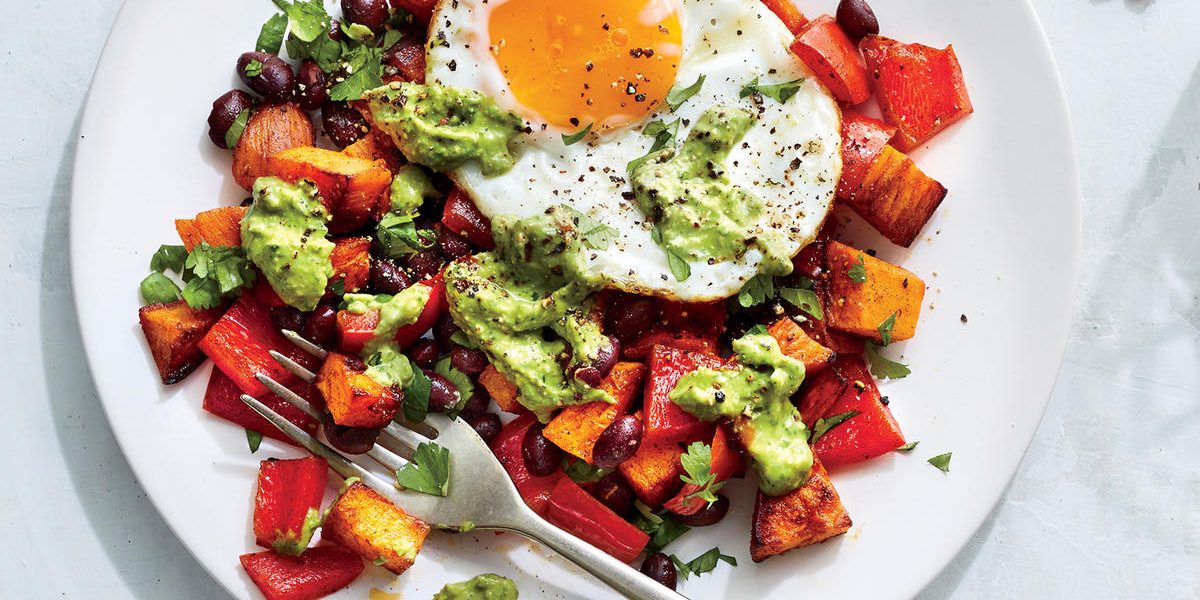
[(410, 188), (700, 214), (488, 586), (756, 396), (294, 543), (283, 234), (443, 127), (533, 282), (386, 362)]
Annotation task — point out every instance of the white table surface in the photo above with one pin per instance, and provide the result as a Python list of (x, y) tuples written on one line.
[(1107, 502)]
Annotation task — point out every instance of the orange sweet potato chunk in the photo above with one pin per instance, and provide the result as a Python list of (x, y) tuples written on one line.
[(503, 391), (353, 398), (173, 331), (794, 342), (351, 188), (808, 515), (575, 429), (653, 472), (375, 529), (216, 227), (896, 197), (351, 258), (860, 308), (376, 145), (272, 129)]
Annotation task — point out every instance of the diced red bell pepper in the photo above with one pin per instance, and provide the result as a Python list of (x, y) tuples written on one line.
[(240, 342), (507, 448), (703, 319), (788, 13), (287, 506), (315, 574), (223, 399), (920, 89), (834, 59), (355, 330), (873, 432), (863, 138), (725, 463), (641, 347), (266, 295), (578, 513), (665, 421), (462, 217)]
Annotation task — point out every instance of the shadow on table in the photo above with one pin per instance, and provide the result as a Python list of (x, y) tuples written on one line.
[(108, 490)]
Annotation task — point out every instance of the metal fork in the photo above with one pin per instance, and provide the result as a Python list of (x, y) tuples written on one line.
[(480, 491)]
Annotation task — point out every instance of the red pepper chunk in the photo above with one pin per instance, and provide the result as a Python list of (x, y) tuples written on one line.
[(863, 139), (578, 513), (315, 574), (534, 490), (355, 330), (725, 463), (920, 89), (871, 433), (462, 217), (288, 492), (834, 59), (222, 398), (665, 421), (787, 12), (240, 343)]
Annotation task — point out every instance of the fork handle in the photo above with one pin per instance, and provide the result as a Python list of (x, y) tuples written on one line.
[(626, 580)]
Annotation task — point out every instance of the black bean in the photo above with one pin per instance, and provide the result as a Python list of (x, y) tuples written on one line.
[(443, 330), (351, 440), (426, 263), (658, 566), (343, 125), (617, 442), (312, 88), (266, 74), (709, 515), (286, 317), (321, 327), (630, 316), (615, 493), (424, 352), (443, 395), (541, 456), (468, 360), (224, 112), (453, 245), (857, 19), (371, 13), (477, 403), (607, 357), (487, 425), (387, 278), (588, 375)]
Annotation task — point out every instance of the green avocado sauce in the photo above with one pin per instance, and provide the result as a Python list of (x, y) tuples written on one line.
[(756, 396), (283, 234), (294, 543), (700, 214), (410, 188), (526, 305), (488, 586), (443, 127), (386, 362)]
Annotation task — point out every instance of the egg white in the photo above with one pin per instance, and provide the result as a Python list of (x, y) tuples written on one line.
[(791, 157)]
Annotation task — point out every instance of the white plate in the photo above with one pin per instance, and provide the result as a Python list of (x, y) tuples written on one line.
[(1002, 250)]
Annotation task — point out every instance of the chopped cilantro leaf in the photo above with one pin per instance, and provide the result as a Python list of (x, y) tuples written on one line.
[(884, 367), (780, 92), (858, 272), (941, 461), (596, 235), (213, 273), (885, 328), (581, 472), (578, 135), (822, 426), (759, 289), (664, 137), (270, 37), (398, 235), (157, 288), (308, 19), (677, 96), (908, 446), (234, 133), (364, 71), (701, 564), (805, 300), (253, 68), (428, 472), (416, 397), (697, 463), (662, 528), (168, 258), (254, 438), (679, 267)]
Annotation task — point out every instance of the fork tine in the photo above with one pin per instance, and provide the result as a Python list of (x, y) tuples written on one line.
[(294, 367), (304, 344), (336, 461), (292, 397), (421, 428)]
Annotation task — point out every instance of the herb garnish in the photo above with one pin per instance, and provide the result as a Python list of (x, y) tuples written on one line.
[(679, 267), (677, 96), (941, 461), (804, 298), (884, 367), (822, 426), (234, 133), (701, 564), (416, 397), (213, 273), (168, 258), (270, 37), (907, 447), (460, 381), (759, 289), (581, 472), (364, 71), (578, 135), (885, 328), (697, 462), (663, 528), (253, 68), (858, 272), (398, 235), (781, 92), (664, 137), (595, 235), (157, 288), (428, 472), (254, 438)]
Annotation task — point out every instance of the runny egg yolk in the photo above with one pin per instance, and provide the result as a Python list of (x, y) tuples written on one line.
[(578, 62)]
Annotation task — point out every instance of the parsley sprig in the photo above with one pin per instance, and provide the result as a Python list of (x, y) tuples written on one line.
[(701, 564), (697, 464), (595, 235), (662, 527), (884, 367), (822, 426), (428, 472), (780, 92), (678, 95), (211, 274)]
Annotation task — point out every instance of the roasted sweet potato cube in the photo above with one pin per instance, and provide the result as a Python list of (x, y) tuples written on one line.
[(351, 258), (885, 290), (794, 342), (351, 188), (353, 398), (653, 472), (376, 145), (374, 528), (575, 429), (503, 391), (272, 129), (896, 197), (808, 515), (173, 331), (216, 227)]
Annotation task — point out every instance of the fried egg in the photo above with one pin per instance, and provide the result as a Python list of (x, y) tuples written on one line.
[(565, 65)]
